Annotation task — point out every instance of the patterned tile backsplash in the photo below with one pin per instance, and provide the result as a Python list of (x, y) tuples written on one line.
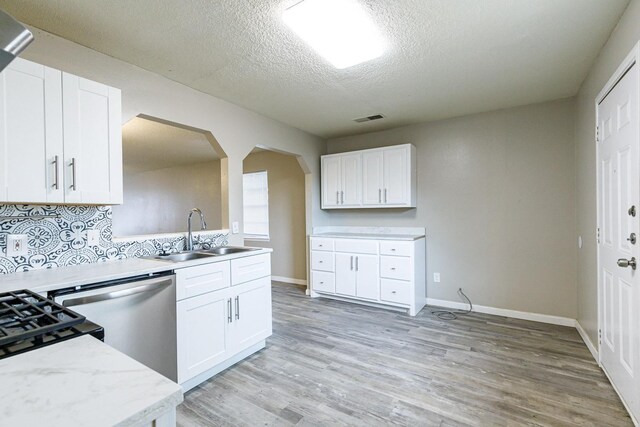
[(62, 241)]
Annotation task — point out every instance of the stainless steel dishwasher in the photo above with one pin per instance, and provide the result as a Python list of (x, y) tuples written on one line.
[(138, 315)]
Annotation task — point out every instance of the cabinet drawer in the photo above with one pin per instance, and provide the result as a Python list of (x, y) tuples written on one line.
[(322, 281), (395, 291), (321, 244), (356, 246), (393, 267), (250, 268), (322, 261), (396, 248), (198, 280)]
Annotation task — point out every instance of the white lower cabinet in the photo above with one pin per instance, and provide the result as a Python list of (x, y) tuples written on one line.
[(380, 272), (217, 328)]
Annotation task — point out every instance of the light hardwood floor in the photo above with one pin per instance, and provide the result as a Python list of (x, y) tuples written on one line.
[(331, 363)]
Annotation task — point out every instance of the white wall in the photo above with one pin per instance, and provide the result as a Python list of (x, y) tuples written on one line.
[(622, 40), (159, 201), (496, 195), (286, 213), (236, 129)]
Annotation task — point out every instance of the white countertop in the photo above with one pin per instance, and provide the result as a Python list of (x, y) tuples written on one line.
[(384, 236), (45, 280), (82, 381)]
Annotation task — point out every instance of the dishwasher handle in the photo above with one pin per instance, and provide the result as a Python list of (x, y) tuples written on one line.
[(149, 285)]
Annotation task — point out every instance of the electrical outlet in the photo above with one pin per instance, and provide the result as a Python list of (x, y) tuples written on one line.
[(436, 277), (235, 227), (93, 237), (17, 245)]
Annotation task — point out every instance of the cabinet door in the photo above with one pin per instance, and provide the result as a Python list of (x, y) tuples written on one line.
[(367, 277), (30, 133), (345, 274), (351, 192), (202, 328), (372, 177), (397, 176), (92, 141), (251, 313), (331, 181)]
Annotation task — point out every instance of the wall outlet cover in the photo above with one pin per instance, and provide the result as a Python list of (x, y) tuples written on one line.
[(436, 277), (17, 245), (93, 237), (235, 227)]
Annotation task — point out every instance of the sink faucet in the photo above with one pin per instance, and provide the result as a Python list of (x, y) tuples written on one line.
[(203, 226)]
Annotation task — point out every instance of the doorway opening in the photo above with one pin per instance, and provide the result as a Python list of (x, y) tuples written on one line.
[(275, 200)]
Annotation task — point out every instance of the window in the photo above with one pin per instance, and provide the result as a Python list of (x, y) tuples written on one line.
[(256, 205)]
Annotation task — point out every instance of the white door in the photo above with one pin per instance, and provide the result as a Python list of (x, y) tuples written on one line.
[(331, 181), (345, 274), (368, 277), (372, 177), (618, 192), (202, 337), (396, 176), (251, 313), (350, 194), (92, 141), (30, 133)]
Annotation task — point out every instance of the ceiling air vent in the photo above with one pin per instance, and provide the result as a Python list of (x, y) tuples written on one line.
[(369, 118)]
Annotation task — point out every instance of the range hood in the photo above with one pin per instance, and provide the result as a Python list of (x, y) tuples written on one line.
[(14, 38)]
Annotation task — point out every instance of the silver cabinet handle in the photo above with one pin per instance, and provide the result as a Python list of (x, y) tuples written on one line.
[(352, 263), (342, 197), (73, 165), (56, 172), (238, 307), (379, 195), (230, 316), (337, 197), (357, 263), (149, 285), (385, 195)]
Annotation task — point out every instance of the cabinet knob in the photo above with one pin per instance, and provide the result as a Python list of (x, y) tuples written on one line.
[(393, 292), (320, 262), (322, 283), (393, 249), (393, 268)]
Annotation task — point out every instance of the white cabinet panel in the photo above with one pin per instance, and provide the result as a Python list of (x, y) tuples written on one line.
[(30, 133), (323, 281), (250, 268), (198, 280), (345, 274), (321, 244), (92, 141), (395, 291), (372, 177), (202, 324), (251, 313), (322, 261), (331, 181), (357, 246), (396, 176), (350, 194), (390, 247), (394, 267), (367, 277)]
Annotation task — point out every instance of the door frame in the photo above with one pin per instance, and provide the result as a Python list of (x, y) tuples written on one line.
[(633, 58)]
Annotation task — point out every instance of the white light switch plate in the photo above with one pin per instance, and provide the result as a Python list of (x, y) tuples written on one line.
[(93, 237), (17, 245), (436, 277), (235, 227)]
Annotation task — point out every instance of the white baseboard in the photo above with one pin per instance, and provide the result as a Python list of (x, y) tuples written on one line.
[(592, 348), (289, 280), (524, 315)]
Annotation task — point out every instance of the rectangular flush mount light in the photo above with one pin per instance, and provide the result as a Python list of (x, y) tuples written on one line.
[(339, 30)]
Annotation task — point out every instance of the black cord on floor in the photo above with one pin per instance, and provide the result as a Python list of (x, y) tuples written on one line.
[(452, 315)]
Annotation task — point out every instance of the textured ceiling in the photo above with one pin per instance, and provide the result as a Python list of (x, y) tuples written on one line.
[(445, 58), (149, 145)]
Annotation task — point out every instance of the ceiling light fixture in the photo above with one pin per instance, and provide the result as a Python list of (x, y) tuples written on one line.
[(339, 30)]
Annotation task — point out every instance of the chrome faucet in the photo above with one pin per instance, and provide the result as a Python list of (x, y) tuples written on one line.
[(203, 226)]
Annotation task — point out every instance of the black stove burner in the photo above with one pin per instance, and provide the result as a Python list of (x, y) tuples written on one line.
[(29, 321)]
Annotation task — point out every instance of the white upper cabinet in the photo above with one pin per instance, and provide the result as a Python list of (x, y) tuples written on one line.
[(92, 141), (60, 137), (379, 178), (342, 180)]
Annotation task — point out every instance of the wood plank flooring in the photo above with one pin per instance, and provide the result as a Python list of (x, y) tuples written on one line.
[(331, 363)]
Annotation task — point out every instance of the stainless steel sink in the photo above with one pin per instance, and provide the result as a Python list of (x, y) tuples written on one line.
[(226, 250), (184, 256)]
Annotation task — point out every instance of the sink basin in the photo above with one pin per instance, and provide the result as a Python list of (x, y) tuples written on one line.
[(226, 250), (184, 256)]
